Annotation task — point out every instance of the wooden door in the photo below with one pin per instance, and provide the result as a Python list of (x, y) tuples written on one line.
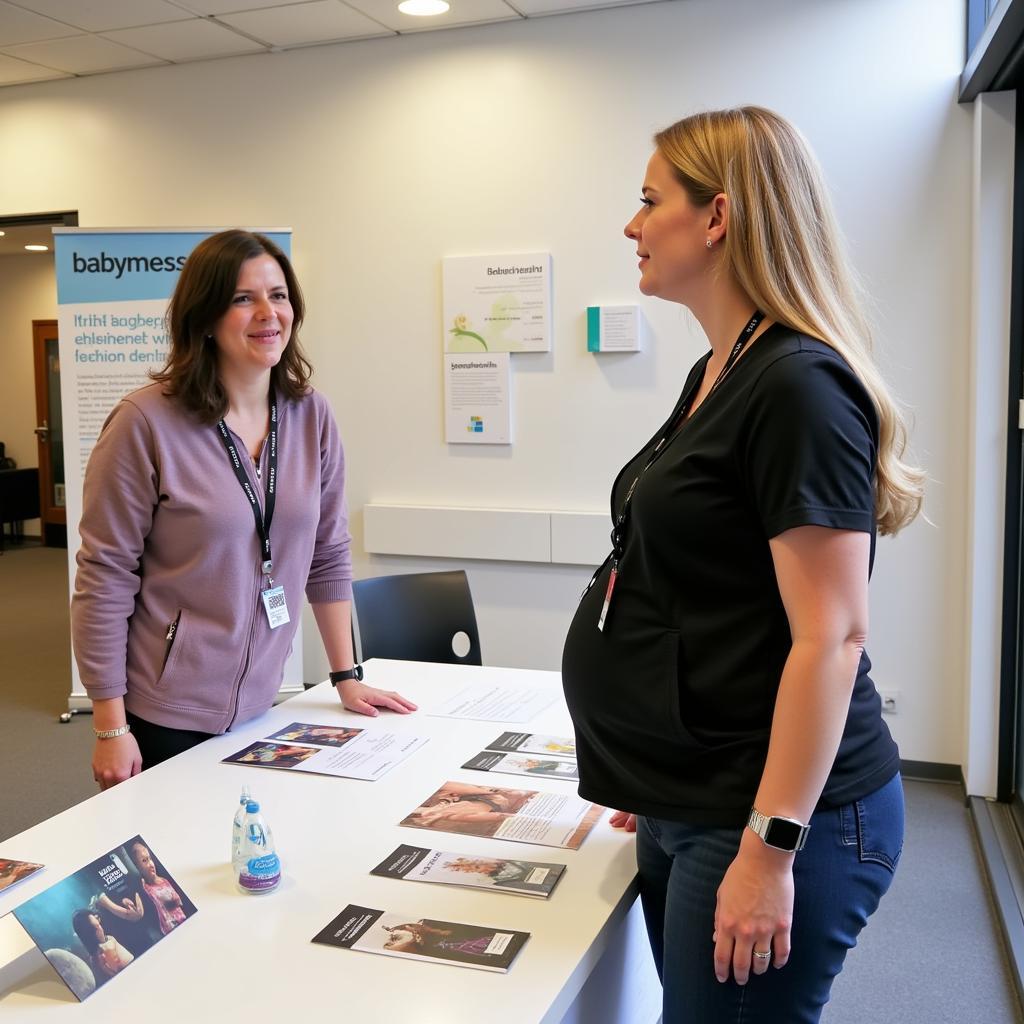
[(49, 431)]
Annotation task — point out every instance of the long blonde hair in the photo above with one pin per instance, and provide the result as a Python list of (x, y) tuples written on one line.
[(785, 250)]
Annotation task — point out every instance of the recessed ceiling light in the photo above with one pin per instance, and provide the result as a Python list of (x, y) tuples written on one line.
[(2, 233), (423, 8), (38, 248)]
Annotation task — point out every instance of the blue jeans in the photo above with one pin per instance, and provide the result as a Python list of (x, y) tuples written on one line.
[(839, 878)]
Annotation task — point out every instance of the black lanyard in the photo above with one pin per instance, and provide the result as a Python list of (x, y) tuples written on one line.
[(676, 421), (265, 518)]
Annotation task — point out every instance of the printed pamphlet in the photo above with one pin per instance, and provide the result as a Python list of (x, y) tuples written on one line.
[(498, 874), (534, 743), (412, 938), (330, 750), (13, 871), (95, 923), (521, 815), (523, 764)]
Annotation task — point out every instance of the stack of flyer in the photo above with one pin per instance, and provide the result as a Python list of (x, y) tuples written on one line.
[(523, 753)]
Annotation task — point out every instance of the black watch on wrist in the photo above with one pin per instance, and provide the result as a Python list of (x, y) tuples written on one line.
[(786, 834), (356, 672)]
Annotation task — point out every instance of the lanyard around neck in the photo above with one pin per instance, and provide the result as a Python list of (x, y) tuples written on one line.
[(621, 521), (263, 518)]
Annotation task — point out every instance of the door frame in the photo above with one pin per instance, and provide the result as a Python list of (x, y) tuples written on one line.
[(49, 513)]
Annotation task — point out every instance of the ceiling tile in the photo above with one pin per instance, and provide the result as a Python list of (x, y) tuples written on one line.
[(462, 12), (13, 71), (533, 7), (318, 22), (230, 6), (101, 15), (81, 55), (186, 40), (20, 26)]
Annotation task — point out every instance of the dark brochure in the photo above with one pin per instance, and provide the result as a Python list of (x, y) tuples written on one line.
[(94, 923), (412, 938)]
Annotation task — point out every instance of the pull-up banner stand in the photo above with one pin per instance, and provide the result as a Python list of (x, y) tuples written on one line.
[(112, 290)]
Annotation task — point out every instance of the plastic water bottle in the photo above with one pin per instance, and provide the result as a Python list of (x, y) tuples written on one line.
[(260, 868), (236, 829)]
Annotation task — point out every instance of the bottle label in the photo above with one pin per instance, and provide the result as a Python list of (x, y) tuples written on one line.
[(260, 872)]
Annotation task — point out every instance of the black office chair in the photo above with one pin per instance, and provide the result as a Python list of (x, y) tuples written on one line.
[(416, 617)]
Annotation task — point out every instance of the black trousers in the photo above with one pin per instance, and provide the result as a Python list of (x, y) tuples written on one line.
[(158, 742)]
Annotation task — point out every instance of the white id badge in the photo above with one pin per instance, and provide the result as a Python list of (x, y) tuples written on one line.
[(276, 607)]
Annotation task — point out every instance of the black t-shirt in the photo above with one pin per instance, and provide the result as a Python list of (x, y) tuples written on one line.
[(672, 702)]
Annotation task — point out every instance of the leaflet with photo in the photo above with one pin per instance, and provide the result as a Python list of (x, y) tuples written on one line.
[(498, 874), (345, 752), (13, 871), (423, 938), (524, 764), (95, 923), (534, 743), (521, 815)]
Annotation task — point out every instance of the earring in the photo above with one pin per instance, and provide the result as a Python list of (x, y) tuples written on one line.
[(708, 243)]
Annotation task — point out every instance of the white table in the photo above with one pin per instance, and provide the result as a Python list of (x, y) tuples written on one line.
[(254, 952)]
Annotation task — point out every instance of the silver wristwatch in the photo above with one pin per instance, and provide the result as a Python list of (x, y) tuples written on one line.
[(781, 833)]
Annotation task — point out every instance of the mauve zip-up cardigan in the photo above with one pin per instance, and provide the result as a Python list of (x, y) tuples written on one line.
[(168, 537)]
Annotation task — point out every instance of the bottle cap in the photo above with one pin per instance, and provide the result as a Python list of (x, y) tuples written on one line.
[(252, 807)]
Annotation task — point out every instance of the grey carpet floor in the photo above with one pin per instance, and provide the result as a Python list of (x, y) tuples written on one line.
[(931, 955)]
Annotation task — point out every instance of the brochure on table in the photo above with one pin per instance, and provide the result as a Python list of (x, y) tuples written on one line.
[(487, 703), (495, 874), (412, 938), (350, 753), (534, 743), (95, 923), (521, 815), (523, 764), (14, 871)]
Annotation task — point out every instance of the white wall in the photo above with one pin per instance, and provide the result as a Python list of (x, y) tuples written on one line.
[(28, 292), (388, 154)]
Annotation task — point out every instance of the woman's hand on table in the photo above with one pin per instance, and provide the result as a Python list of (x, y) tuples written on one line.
[(623, 820), (115, 760), (365, 700)]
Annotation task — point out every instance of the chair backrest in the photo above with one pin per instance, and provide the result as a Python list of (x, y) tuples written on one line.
[(415, 617)]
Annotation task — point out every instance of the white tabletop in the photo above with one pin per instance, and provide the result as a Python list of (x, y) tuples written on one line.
[(240, 950)]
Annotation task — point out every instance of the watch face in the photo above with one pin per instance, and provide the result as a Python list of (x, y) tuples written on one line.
[(785, 835)]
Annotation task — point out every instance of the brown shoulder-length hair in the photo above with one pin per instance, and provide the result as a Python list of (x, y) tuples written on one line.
[(202, 296)]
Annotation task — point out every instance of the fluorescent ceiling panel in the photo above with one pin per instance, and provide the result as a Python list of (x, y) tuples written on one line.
[(187, 40), (101, 15), (318, 22), (81, 55)]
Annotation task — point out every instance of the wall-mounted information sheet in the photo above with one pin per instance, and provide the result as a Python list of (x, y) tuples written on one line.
[(477, 401), (497, 303)]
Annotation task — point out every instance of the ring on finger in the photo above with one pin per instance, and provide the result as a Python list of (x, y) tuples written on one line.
[(763, 956)]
